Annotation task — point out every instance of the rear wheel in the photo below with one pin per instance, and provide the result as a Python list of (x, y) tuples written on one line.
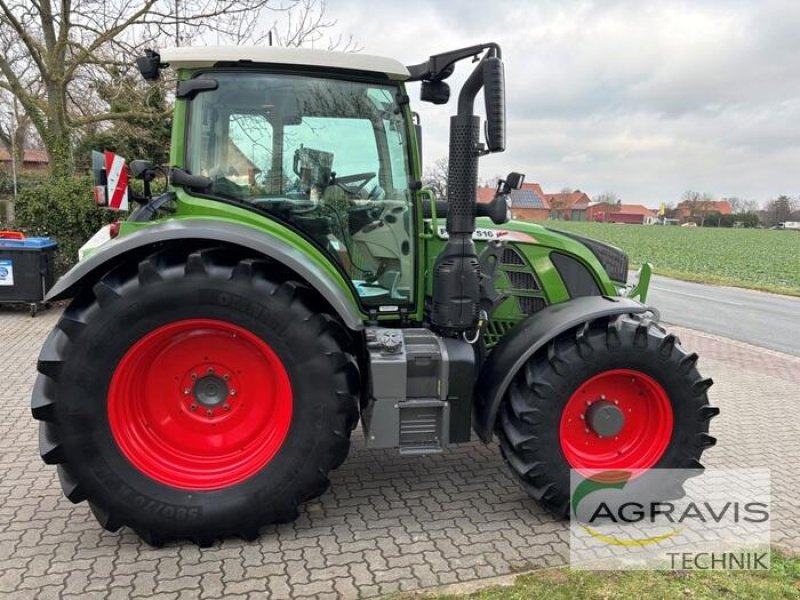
[(192, 396), (618, 395)]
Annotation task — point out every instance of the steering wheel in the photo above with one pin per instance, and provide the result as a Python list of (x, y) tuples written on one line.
[(363, 178)]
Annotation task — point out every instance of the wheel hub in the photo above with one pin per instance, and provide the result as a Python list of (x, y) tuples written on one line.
[(604, 419), (619, 419), (210, 391)]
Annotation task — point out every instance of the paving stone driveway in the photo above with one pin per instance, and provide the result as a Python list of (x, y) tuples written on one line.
[(388, 523)]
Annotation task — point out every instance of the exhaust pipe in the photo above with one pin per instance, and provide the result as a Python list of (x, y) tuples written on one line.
[(456, 275)]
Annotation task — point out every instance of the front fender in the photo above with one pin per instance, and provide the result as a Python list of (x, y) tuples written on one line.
[(522, 342), (92, 268)]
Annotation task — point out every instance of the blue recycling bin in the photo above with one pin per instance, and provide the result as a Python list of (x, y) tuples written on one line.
[(26, 268)]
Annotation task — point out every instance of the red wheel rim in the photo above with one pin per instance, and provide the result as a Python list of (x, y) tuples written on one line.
[(200, 404), (644, 433)]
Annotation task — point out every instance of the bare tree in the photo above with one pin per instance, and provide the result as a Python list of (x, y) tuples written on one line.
[(749, 206), (53, 53), (306, 24), (699, 204), (435, 177), (780, 209), (559, 206), (741, 206), (14, 127), (607, 197), (735, 203)]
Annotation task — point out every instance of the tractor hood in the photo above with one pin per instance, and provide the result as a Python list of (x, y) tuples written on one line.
[(613, 260), (598, 255)]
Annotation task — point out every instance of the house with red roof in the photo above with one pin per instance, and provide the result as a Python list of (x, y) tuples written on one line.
[(605, 212), (33, 160), (699, 210), (528, 203), (568, 206)]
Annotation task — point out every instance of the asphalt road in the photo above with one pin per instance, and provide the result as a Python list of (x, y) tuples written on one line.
[(766, 320)]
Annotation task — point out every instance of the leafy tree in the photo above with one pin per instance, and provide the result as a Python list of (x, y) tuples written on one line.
[(61, 208), (146, 136)]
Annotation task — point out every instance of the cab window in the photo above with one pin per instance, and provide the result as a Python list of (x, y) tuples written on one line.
[(328, 157)]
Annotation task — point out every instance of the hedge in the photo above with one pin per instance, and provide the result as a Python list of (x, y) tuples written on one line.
[(63, 209)]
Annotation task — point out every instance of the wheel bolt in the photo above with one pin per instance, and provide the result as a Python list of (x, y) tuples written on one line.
[(616, 401), (233, 391), (226, 407), (193, 407), (210, 413), (210, 370), (583, 418), (194, 375), (226, 377), (186, 391), (602, 396), (586, 430)]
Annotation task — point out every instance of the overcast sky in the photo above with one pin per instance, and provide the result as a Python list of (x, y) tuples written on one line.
[(645, 99)]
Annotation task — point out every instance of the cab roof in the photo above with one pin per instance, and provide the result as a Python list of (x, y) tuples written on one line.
[(208, 56)]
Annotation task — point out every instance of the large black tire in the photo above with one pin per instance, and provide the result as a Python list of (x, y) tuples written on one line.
[(80, 357), (529, 419)]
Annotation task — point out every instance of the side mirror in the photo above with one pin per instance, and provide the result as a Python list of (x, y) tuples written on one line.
[(141, 169), (435, 92), (494, 93), (514, 181), (149, 65)]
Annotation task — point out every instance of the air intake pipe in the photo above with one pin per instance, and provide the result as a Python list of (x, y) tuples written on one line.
[(456, 274)]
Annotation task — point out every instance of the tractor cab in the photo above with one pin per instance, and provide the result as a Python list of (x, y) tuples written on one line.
[(325, 153)]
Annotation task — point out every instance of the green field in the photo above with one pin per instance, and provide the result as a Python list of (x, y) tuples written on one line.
[(753, 258)]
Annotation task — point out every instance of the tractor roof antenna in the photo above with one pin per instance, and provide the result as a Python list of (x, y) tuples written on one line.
[(269, 37)]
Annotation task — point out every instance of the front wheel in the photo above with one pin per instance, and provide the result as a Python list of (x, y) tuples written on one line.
[(617, 395), (192, 396)]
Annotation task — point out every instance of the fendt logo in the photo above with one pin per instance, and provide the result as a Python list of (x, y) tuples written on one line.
[(654, 515)]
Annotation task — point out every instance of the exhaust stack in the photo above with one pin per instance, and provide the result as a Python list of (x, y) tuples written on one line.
[(456, 275)]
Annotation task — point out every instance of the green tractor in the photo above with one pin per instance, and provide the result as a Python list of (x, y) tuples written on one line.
[(222, 343)]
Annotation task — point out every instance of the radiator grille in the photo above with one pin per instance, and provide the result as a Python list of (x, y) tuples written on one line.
[(530, 304), (522, 281), (512, 257), (495, 330)]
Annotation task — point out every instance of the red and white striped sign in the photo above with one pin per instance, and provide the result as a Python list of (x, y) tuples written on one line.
[(117, 181)]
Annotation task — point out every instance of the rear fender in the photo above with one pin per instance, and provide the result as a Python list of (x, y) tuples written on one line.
[(522, 342), (88, 271)]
